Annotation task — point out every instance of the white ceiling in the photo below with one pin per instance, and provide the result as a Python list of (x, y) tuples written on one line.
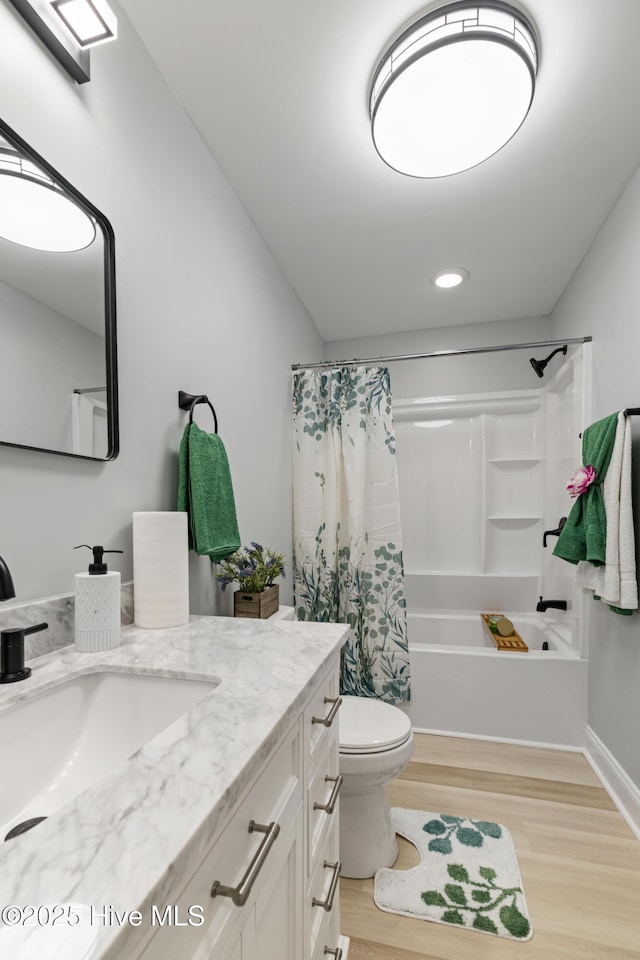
[(278, 90)]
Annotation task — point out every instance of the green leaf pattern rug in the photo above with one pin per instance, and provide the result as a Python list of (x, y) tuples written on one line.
[(468, 876)]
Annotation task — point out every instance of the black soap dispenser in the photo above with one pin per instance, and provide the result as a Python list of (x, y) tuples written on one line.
[(97, 613)]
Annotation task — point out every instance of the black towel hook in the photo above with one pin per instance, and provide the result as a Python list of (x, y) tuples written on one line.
[(188, 401)]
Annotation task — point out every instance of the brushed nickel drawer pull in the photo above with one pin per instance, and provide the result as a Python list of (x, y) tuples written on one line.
[(330, 717), (328, 903), (331, 802), (335, 952), (240, 894)]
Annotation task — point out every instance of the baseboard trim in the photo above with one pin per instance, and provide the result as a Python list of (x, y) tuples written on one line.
[(614, 779), (518, 743)]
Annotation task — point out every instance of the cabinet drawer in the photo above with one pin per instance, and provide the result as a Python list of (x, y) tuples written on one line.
[(324, 889), (275, 797), (321, 717), (328, 939), (323, 799)]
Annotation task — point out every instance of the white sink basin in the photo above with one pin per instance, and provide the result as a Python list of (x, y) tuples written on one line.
[(59, 742)]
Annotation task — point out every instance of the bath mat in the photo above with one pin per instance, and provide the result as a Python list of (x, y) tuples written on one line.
[(468, 876)]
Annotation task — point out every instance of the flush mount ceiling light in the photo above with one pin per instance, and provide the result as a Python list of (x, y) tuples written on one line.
[(453, 88), (34, 211), (90, 21), (68, 28), (452, 277)]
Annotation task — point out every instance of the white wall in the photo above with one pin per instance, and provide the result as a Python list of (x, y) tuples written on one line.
[(603, 299), (477, 373), (202, 306)]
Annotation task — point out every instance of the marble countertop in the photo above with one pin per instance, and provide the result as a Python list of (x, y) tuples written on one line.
[(128, 840)]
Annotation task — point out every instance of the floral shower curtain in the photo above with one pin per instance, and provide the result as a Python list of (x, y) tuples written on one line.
[(346, 517)]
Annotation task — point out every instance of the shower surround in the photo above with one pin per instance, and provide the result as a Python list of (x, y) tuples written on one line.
[(481, 477)]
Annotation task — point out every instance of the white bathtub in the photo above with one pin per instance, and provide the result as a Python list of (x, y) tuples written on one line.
[(462, 685)]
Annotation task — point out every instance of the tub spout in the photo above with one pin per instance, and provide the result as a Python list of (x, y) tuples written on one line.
[(543, 605)]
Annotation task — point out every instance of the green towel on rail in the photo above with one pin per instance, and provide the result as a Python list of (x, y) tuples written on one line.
[(584, 535), (206, 494)]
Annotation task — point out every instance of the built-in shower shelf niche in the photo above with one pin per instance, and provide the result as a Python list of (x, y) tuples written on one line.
[(516, 462), (514, 518), (513, 488), (513, 484), (512, 543)]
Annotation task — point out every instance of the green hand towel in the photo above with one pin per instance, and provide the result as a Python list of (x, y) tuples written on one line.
[(584, 534), (206, 493)]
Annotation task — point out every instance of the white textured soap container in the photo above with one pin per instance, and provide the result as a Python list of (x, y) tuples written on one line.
[(97, 611)]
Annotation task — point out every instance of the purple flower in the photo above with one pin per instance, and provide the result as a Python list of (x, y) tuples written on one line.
[(584, 477)]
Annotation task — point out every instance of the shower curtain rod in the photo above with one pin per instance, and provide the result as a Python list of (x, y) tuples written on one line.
[(439, 353)]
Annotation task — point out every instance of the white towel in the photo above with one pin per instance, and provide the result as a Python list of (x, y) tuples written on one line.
[(615, 582)]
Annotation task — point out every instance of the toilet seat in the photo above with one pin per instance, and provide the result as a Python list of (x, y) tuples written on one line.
[(369, 726)]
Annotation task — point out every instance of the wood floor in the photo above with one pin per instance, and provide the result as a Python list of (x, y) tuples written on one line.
[(580, 862)]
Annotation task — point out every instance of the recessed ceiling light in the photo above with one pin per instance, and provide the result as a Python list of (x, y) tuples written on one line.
[(453, 88), (452, 277)]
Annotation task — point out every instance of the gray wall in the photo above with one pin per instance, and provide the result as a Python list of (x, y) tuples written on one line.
[(202, 306), (603, 299), (440, 376)]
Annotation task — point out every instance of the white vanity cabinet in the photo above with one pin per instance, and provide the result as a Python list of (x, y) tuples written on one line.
[(276, 854), (322, 783)]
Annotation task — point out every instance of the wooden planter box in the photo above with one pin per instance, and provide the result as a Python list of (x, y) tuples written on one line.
[(257, 605)]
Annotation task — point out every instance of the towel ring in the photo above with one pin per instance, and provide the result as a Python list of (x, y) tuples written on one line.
[(188, 401)]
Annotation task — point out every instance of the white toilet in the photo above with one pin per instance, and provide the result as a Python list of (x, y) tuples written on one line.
[(376, 743)]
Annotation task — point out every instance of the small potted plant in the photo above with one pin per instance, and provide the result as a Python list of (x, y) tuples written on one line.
[(254, 568)]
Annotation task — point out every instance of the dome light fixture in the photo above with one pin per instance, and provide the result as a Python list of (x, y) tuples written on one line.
[(451, 277), (35, 212), (453, 88)]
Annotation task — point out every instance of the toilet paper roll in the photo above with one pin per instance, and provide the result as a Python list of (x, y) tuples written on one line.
[(160, 569)]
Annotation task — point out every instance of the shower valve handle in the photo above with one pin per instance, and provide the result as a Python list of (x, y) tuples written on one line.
[(553, 533)]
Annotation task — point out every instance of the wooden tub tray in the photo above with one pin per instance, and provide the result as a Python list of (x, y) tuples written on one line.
[(515, 644)]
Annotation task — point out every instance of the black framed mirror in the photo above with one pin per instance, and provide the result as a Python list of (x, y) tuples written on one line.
[(58, 359)]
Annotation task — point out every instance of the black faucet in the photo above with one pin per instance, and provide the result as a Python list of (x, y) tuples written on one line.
[(12, 666), (553, 533), (544, 605), (7, 590)]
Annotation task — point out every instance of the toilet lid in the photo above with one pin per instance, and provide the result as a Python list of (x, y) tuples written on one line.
[(370, 726)]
